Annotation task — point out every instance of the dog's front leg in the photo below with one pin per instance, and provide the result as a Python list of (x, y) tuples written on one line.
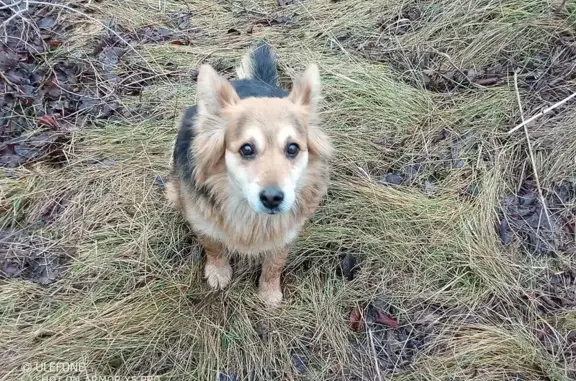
[(269, 285), (217, 270)]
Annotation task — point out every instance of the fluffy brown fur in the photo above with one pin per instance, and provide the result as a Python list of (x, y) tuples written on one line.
[(216, 206)]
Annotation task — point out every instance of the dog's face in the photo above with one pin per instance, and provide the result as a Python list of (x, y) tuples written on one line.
[(264, 144), (266, 152)]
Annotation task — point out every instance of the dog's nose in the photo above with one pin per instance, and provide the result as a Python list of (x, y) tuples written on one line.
[(271, 197)]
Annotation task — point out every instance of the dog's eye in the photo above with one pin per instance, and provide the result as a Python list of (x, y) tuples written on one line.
[(292, 150), (247, 151)]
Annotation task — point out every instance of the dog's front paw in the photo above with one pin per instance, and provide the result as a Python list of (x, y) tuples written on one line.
[(218, 277), (272, 297)]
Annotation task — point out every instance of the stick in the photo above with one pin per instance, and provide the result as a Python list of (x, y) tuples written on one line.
[(376, 364), (546, 111), (16, 12), (531, 152)]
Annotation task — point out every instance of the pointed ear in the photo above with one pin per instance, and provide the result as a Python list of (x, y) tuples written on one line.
[(306, 93), (213, 92), (306, 89)]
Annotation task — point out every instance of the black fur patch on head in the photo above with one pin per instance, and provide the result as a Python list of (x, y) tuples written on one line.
[(246, 88)]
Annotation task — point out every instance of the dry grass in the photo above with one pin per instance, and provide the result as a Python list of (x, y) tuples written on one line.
[(133, 302)]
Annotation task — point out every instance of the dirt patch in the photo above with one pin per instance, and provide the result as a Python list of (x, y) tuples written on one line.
[(32, 98), (443, 155), (403, 23), (549, 73), (544, 228), (557, 292), (555, 297), (385, 339), (32, 257), (46, 93)]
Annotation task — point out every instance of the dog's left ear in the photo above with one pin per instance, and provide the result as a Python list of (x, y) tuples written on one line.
[(306, 93), (306, 90)]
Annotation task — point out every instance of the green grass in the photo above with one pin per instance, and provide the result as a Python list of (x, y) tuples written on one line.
[(133, 301)]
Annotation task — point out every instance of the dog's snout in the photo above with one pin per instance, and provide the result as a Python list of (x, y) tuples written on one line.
[(272, 197)]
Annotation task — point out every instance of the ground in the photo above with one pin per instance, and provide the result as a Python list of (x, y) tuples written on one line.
[(444, 250)]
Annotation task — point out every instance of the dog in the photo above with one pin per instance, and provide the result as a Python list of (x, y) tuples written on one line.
[(250, 166)]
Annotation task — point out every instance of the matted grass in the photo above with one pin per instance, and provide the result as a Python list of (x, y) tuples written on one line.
[(132, 300)]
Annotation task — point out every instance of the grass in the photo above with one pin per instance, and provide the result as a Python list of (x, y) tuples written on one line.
[(132, 300)]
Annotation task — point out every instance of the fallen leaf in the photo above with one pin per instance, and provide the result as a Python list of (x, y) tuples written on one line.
[(385, 319), (273, 21), (48, 120), (46, 22), (160, 182), (348, 266), (504, 231), (488, 81), (284, 3), (355, 320), (393, 178), (300, 363)]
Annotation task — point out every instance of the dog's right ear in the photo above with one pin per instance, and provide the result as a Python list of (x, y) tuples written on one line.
[(213, 92)]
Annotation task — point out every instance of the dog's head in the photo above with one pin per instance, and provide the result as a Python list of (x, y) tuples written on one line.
[(265, 145)]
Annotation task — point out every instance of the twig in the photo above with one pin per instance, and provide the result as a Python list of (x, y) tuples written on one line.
[(531, 153), (10, 83), (16, 14), (376, 365), (544, 112), (11, 5), (560, 7)]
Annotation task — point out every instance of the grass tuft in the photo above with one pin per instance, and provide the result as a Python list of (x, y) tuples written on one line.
[(131, 300)]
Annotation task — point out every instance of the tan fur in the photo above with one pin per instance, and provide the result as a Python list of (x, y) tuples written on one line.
[(228, 224)]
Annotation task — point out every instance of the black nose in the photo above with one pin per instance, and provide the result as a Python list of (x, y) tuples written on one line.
[(271, 197)]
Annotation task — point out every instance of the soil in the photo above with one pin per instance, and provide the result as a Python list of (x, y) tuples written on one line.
[(31, 257), (549, 75), (47, 93), (543, 228), (425, 171)]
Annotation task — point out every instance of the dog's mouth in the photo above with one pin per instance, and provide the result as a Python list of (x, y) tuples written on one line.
[(273, 211)]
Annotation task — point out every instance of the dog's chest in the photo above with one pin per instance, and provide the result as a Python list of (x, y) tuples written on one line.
[(245, 232)]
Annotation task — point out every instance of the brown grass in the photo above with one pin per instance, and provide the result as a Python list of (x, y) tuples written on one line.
[(132, 301)]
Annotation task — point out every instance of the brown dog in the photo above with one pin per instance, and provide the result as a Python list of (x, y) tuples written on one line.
[(250, 167)]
